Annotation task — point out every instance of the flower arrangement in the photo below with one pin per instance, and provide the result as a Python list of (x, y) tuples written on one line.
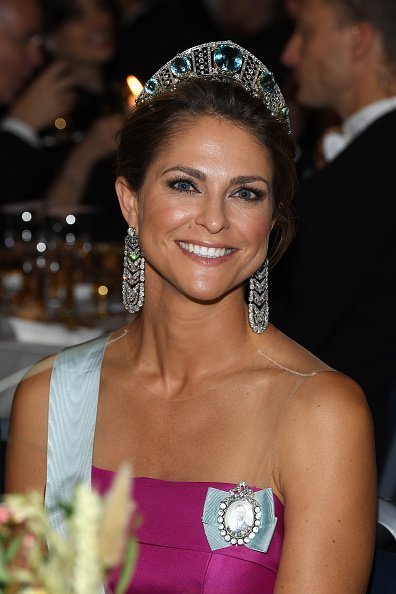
[(35, 559)]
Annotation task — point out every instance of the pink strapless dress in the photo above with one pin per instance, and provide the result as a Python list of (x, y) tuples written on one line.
[(174, 555)]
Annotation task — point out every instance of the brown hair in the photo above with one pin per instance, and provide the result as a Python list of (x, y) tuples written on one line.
[(150, 125), (381, 14)]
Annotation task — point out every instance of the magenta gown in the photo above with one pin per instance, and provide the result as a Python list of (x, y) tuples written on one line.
[(174, 555)]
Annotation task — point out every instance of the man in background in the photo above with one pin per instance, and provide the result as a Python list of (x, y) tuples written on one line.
[(25, 107), (335, 291), (20, 23)]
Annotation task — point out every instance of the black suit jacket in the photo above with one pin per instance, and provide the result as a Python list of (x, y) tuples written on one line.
[(335, 290), (18, 168)]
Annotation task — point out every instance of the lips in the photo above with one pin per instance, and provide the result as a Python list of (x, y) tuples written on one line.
[(205, 251)]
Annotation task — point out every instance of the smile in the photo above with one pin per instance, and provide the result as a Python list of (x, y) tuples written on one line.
[(203, 250)]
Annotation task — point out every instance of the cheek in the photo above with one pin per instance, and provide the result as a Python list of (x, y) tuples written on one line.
[(254, 224), (13, 60), (311, 58), (165, 215), (261, 235), (156, 222), (106, 21)]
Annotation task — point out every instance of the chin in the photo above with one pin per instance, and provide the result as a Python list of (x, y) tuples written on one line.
[(206, 294)]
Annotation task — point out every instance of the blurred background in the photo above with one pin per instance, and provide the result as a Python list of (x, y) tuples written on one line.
[(70, 70)]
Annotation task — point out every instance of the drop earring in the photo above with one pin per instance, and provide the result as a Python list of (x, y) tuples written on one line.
[(258, 299), (133, 273)]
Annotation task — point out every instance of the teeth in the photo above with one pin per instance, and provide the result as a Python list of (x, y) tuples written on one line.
[(202, 250)]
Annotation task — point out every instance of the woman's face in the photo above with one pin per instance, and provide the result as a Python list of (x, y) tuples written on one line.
[(204, 212), (88, 37)]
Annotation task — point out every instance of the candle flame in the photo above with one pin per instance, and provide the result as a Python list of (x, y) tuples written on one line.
[(134, 84)]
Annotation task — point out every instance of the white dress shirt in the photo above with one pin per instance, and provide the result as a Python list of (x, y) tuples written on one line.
[(21, 129)]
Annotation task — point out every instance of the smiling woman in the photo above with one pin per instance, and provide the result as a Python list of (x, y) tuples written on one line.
[(199, 391), (197, 206)]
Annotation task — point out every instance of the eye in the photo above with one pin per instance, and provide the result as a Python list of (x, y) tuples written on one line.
[(181, 185), (249, 194)]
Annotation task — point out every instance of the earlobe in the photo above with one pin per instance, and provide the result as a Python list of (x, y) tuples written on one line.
[(128, 200)]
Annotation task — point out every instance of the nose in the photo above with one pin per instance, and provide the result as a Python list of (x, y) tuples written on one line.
[(212, 215), (291, 52)]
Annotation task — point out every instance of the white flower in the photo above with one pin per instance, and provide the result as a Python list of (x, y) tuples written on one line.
[(117, 511), (84, 528)]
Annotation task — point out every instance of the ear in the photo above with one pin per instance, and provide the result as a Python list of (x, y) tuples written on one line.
[(364, 37), (128, 200)]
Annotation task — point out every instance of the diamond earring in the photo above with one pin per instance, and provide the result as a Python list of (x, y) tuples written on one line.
[(258, 299), (133, 274)]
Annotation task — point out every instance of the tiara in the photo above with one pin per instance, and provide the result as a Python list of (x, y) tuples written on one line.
[(219, 60)]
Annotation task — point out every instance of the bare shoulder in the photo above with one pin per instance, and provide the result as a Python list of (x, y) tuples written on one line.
[(27, 442), (33, 390), (327, 431), (325, 471), (327, 418), (331, 399)]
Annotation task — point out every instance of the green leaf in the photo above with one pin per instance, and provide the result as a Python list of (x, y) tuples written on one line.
[(68, 508), (13, 548), (4, 575), (128, 565)]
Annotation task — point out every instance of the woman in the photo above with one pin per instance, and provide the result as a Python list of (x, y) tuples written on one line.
[(80, 147), (216, 410)]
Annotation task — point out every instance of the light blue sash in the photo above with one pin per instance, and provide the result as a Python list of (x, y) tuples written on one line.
[(71, 423)]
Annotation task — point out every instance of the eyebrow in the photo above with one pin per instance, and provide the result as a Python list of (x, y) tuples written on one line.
[(240, 179), (187, 170), (248, 179)]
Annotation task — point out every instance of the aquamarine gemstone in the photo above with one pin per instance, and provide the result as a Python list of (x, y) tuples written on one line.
[(180, 66), (227, 58), (151, 86), (267, 82), (284, 111)]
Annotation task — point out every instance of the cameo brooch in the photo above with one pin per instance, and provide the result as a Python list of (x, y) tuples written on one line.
[(239, 517)]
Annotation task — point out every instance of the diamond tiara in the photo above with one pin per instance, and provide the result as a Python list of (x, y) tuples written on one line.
[(219, 60)]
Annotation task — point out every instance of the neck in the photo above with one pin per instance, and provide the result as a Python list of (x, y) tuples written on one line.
[(184, 341)]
